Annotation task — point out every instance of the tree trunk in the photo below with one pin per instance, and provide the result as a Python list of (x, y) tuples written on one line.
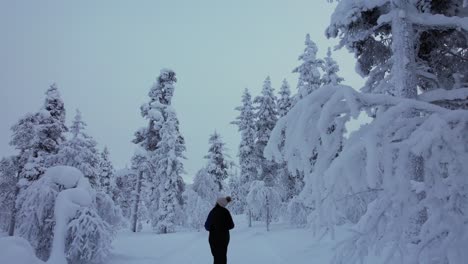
[(137, 203), (405, 82), (250, 218), (267, 214), (403, 70), (11, 227)]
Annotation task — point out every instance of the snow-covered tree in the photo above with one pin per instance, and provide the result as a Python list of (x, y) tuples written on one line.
[(106, 173), (122, 194), (430, 34), (309, 74), (196, 209), (375, 164), (206, 186), (89, 238), (247, 155), (285, 100), (80, 151), (169, 169), (36, 214), (330, 70), (237, 204), (217, 164), (296, 213), (288, 183), (59, 219), (157, 112), (264, 202), (39, 136), (266, 117)]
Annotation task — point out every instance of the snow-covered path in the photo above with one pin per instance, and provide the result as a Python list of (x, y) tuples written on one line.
[(248, 245)]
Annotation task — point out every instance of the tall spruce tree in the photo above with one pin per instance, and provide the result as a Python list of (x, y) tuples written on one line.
[(247, 155), (289, 183), (285, 100), (38, 136), (106, 172), (169, 169), (80, 151), (266, 117), (404, 44), (217, 164), (309, 74), (330, 70), (157, 112)]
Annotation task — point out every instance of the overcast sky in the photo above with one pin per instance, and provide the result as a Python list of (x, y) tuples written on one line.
[(105, 55)]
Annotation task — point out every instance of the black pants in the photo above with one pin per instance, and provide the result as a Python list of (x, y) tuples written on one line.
[(219, 244)]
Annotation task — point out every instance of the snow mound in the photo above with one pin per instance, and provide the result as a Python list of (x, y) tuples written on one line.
[(17, 250)]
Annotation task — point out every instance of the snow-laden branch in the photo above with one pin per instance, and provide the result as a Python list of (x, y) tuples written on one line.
[(442, 94), (439, 21)]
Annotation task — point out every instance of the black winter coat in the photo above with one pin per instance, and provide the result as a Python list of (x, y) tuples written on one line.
[(219, 220)]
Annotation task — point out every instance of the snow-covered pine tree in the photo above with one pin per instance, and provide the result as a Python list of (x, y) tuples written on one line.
[(149, 137), (266, 117), (375, 32), (247, 155), (264, 192), (196, 209), (217, 164), (289, 183), (106, 173), (205, 185), (398, 159), (169, 168), (38, 136), (80, 151), (264, 202), (330, 70), (123, 191), (200, 198), (309, 74), (235, 190), (285, 100)]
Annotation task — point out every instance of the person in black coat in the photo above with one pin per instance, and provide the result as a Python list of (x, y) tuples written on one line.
[(218, 223)]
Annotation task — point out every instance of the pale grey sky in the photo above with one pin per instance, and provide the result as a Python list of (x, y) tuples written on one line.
[(105, 55)]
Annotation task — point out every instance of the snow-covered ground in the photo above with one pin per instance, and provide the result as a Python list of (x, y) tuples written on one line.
[(248, 245)]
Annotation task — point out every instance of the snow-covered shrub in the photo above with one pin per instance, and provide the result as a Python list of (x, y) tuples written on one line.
[(56, 213), (296, 213), (35, 216), (264, 202), (89, 238), (108, 210), (196, 209)]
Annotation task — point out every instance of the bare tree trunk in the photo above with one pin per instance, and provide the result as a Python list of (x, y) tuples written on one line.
[(11, 227), (404, 59), (250, 218), (267, 214), (137, 203)]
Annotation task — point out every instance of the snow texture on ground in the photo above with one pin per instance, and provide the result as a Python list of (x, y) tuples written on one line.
[(247, 245)]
